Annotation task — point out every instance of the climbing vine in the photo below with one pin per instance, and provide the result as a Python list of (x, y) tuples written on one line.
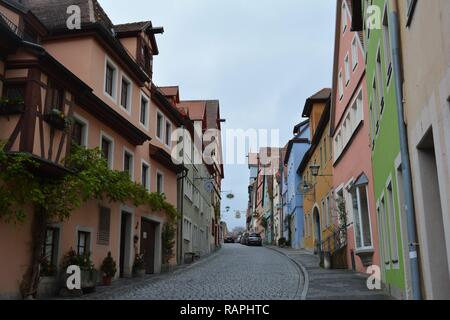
[(55, 199), (168, 241), (90, 178)]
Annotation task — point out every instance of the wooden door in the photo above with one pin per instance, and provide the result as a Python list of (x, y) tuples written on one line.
[(123, 242), (148, 237)]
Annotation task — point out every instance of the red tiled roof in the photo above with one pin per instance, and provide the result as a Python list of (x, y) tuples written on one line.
[(195, 109), (170, 91), (130, 27)]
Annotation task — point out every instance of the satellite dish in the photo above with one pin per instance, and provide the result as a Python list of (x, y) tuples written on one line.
[(230, 196)]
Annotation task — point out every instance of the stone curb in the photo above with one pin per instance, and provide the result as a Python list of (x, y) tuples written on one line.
[(185, 267), (302, 269)]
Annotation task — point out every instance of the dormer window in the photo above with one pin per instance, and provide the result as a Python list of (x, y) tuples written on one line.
[(145, 57)]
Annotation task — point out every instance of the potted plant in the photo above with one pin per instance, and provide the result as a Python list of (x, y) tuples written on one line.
[(109, 269), (168, 243), (88, 272), (57, 119), (139, 267), (11, 106)]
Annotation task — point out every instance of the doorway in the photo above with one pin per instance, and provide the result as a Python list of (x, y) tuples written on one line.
[(434, 223), (125, 244), (148, 242), (317, 231)]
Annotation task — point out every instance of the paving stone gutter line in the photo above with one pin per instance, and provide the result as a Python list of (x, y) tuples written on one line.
[(300, 266)]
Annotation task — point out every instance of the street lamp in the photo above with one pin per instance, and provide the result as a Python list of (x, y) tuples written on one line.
[(315, 171)]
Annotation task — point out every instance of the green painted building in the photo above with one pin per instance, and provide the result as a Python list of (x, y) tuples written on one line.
[(385, 144)]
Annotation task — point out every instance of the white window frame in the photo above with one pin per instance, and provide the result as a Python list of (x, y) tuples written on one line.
[(113, 97), (340, 86), (387, 41), (358, 195), (382, 244), (130, 93), (344, 17), (380, 80), (163, 123), (85, 133), (168, 122), (111, 149), (385, 238), (393, 231), (189, 190), (143, 162), (347, 70), (131, 153), (187, 229), (355, 54), (88, 230), (143, 96), (158, 172)]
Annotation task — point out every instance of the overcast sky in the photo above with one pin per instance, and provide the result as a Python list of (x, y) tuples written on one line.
[(260, 58)]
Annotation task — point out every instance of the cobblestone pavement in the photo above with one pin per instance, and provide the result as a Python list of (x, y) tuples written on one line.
[(324, 284), (236, 272)]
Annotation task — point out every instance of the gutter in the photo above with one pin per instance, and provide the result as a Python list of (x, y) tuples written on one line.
[(394, 33)]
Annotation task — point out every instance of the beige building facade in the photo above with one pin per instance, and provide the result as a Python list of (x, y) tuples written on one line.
[(424, 27)]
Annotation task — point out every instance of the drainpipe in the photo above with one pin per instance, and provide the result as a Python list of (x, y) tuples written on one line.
[(180, 179), (180, 223), (394, 32)]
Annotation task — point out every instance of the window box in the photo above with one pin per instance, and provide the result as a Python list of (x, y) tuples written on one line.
[(57, 119), (11, 107)]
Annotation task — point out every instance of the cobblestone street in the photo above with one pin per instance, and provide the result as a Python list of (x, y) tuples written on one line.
[(236, 272)]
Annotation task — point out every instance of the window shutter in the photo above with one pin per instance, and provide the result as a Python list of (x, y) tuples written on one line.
[(104, 226)]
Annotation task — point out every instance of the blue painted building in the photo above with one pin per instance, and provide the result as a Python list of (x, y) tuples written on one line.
[(293, 213)]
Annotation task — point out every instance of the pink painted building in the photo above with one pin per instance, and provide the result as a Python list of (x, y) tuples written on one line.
[(354, 207), (103, 80)]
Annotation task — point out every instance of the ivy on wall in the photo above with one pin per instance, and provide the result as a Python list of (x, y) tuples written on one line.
[(55, 199), (90, 178)]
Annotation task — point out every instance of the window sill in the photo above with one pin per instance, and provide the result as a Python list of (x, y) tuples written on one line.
[(366, 256)]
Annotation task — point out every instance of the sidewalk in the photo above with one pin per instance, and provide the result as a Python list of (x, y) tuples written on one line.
[(322, 284), (123, 286)]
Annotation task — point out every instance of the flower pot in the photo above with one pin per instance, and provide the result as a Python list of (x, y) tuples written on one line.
[(88, 280), (139, 273), (107, 280), (56, 121)]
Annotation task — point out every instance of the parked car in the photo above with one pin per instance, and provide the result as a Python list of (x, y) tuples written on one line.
[(244, 238), (254, 239), (229, 239), (238, 239)]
